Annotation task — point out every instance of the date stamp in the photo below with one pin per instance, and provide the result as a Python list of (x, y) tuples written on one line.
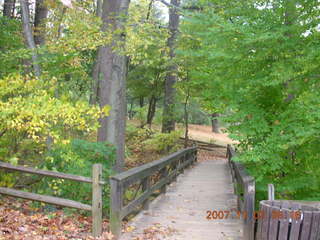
[(234, 214)]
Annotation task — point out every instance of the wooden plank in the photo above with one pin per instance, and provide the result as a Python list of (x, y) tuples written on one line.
[(315, 227), (96, 200), (249, 201), (146, 187), (10, 167), (164, 174), (284, 225), (265, 223), (260, 220), (295, 228), (306, 226), (45, 199), (273, 225), (116, 203)]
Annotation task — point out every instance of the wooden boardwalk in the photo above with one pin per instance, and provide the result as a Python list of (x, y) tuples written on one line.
[(181, 213)]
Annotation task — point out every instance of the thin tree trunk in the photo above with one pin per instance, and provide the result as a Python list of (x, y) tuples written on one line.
[(141, 101), (96, 65), (39, 22), (168, 120), (28, 35), (99, 8), (131, 109), (186, 120), (112, 85), (151, 110), (8, 7), (215, 123), (60, 20)]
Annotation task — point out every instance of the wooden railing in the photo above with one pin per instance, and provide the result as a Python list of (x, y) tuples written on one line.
[(95, 208), (245, 189), (201, 145), (151, 177)]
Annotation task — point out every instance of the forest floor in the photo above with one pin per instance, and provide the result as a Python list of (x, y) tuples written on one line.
[(20, 220)]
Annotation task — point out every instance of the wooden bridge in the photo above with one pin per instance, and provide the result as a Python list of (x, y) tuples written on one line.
[(191, 200)]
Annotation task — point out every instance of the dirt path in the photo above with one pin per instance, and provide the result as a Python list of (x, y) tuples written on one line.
[(204, 133)]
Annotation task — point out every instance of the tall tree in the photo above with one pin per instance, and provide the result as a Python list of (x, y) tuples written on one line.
[(8, 6), (168, 121), (112, 85), (39, 22), (29, 36), (96, 64)]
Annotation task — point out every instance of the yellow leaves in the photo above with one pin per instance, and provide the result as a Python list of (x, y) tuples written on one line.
[(28, 108), (105, 110)]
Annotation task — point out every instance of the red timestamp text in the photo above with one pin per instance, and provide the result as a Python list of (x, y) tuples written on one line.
[(275, 214)]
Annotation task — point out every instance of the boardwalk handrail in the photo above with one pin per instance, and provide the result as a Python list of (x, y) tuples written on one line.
[(244, 185), (95, 208), (168, 167)]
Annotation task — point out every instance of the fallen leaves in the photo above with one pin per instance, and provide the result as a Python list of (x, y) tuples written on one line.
[(19, 221), (156, 232)]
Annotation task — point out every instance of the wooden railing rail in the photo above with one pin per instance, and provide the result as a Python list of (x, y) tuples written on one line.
[(168, 167), (244, 186), (95, 208)]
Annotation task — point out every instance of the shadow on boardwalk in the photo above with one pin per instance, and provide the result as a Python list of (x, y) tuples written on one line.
[(181, 213)]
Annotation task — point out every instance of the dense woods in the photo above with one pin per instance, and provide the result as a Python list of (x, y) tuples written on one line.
[(118, 82)]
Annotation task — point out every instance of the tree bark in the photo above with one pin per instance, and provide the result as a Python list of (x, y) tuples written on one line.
[(141, 101), (39, 22), (168, 120), (112, 85), (28, 35), (96, 65), (215, 123), (8, 7), (186, 120), (99, 8), (151, 110)]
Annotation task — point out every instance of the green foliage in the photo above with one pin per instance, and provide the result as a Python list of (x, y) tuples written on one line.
[(163, 142), (11, 40), (77, 158), (260, 59), (30, 115)]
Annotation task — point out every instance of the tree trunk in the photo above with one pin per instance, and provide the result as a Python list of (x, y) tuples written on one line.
[(112, 85), (215, 123), (186, 120), (28, 35), (130, 113), (168, 120), (141, 101), (95, 81), (39, 22), (8, 7), (96, 65), (99, 8), (151, 110)]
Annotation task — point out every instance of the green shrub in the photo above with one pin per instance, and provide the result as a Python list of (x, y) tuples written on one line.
[(163, 142), (77, 158)]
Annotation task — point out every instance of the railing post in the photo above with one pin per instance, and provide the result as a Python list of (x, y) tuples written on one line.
[(270, 192), (116, 202), (145, 187), (164, 174), (195, 156), (249, 207), (96, 200)]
